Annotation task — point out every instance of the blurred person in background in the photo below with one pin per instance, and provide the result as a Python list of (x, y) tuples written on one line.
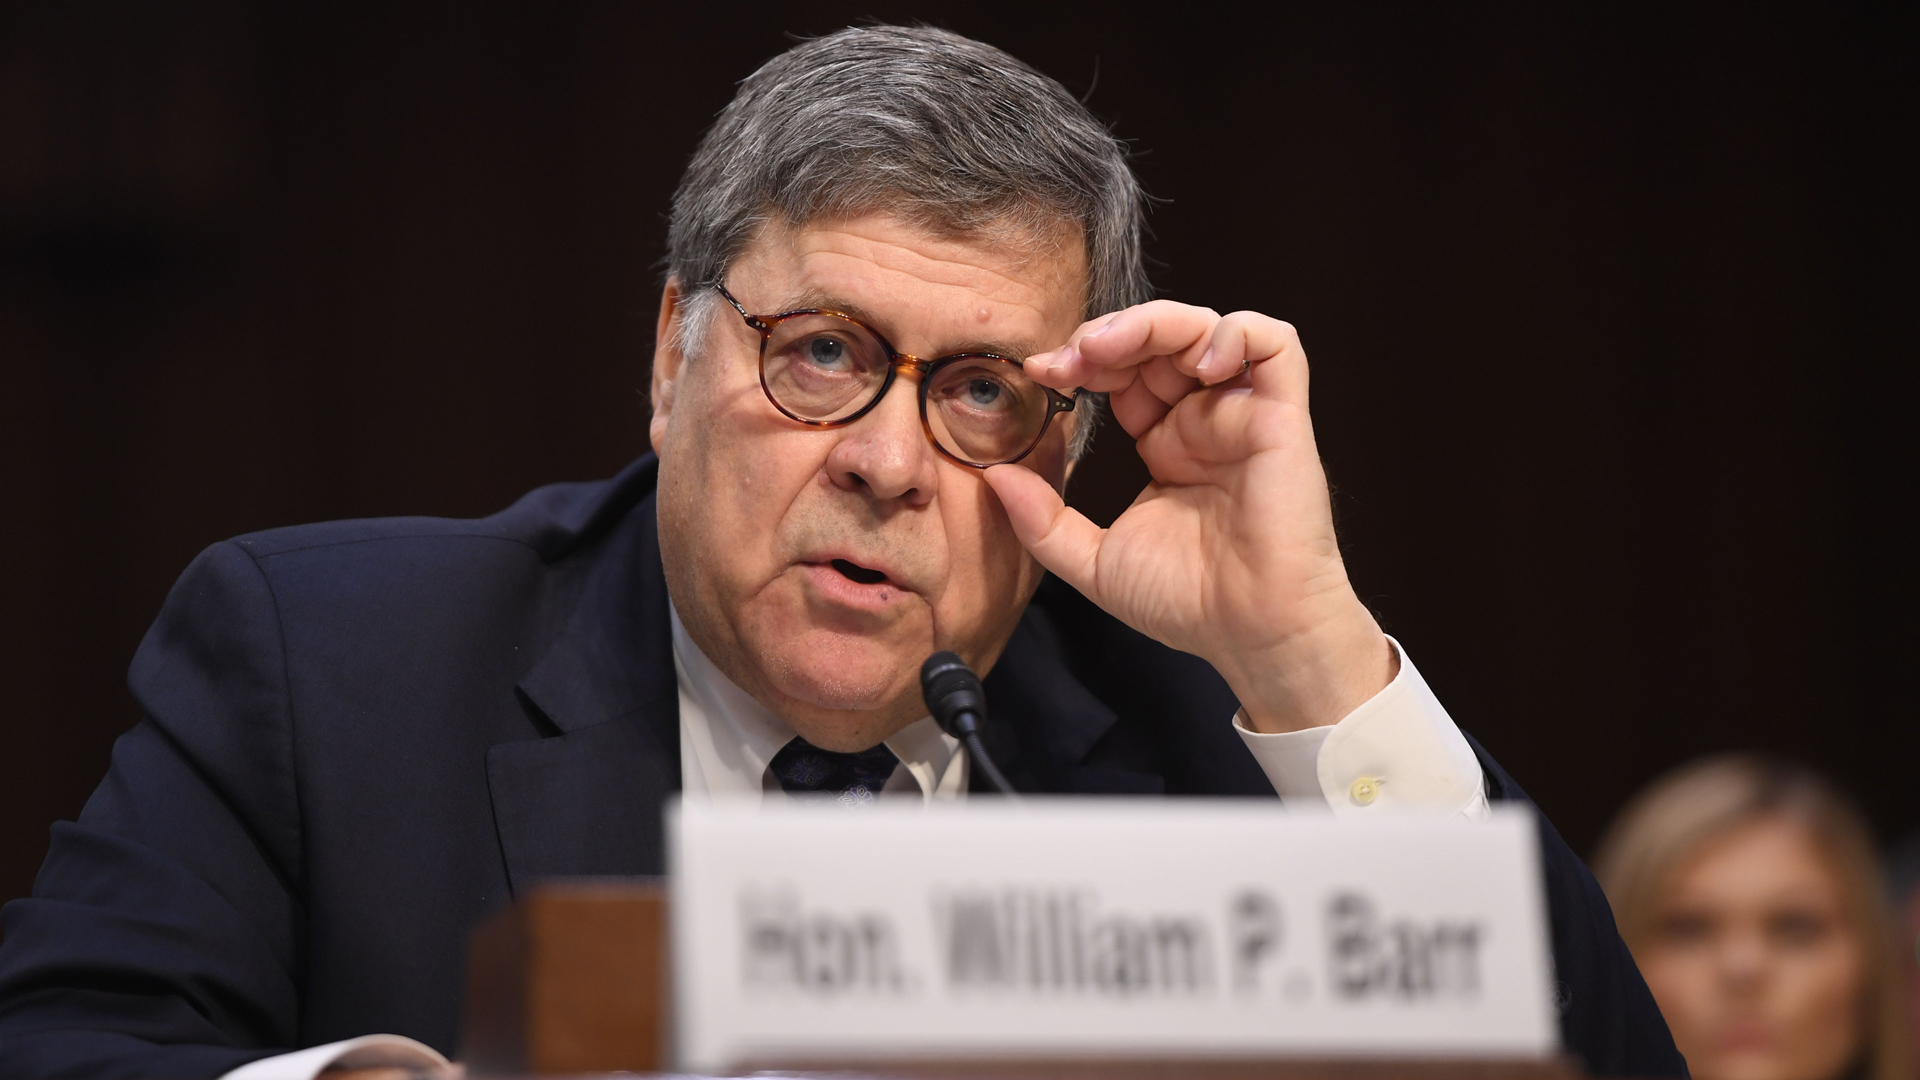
[(1903, 888), (1751, 897)]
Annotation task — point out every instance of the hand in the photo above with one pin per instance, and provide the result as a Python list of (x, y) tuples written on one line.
[(1230, 552), (456, 1071)]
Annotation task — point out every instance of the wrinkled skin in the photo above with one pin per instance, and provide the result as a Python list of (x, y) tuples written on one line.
[(754, 507), (1229, 554)]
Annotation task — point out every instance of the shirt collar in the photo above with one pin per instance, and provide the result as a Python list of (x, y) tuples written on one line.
[(728, 738)]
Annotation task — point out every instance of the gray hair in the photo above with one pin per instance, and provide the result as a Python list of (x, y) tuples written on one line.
[(951, 134)]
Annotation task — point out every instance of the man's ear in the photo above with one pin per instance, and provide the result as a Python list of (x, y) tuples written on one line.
[(667, 362), (1073, 433)]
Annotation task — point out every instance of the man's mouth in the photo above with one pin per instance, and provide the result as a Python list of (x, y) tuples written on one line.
[(856, 572)]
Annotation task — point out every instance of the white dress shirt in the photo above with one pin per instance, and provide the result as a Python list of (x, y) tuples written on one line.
[(1399, 749)]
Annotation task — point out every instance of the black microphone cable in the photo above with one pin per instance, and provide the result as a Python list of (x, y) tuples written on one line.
[(958, 703)]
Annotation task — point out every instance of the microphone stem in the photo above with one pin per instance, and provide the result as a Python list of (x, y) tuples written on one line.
[(986, 766)]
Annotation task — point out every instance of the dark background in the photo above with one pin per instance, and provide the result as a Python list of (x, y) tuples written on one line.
[(1610, 313)]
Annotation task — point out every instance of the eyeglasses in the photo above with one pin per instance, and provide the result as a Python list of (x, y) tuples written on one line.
[(827, 369)]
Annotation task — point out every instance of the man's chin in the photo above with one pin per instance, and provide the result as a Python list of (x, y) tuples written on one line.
[(846, 691), (849, 729), (843, 687)]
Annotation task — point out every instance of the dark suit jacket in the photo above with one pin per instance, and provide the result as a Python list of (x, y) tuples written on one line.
[(362, 737)]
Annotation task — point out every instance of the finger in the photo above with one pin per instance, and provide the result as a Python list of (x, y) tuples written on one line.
[(1156, 328), (1218, 427), (1040, 365), (1231, 422), (1133, 336), (1158, 377), (1282, 376), (1137, 409), (1058, 368), (1094, 325), (1109, 382), (1243, 339), (1162, 376), (1060, 537)]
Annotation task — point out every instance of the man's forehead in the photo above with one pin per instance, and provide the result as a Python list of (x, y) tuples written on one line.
[(882, 270)]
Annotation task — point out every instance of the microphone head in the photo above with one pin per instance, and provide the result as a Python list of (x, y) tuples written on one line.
[(952, 691)]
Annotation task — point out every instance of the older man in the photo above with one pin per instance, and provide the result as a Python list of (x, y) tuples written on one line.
[(872, 378)]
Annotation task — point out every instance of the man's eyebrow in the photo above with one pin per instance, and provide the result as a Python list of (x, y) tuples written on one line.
[(816, 299)]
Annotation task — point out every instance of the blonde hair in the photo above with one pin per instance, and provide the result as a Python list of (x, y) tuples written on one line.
[(1681, 812)]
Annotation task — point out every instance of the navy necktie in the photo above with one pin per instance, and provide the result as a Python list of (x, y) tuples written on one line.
[(851, 779)]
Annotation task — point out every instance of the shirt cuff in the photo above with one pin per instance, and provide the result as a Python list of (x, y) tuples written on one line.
[(1398, 750), (365, 1052)]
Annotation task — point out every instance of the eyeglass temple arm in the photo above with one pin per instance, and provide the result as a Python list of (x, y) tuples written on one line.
[(752, 321)]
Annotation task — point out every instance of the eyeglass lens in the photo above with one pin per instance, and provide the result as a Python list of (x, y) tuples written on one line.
[(825, 368)]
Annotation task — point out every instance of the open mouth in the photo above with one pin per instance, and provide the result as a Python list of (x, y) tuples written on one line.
[(861, 574)]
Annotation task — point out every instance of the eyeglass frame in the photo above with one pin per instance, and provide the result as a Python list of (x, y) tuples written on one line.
[(898, 361)]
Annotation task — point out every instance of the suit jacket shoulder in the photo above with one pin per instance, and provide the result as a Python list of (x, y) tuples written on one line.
[(356, 735)]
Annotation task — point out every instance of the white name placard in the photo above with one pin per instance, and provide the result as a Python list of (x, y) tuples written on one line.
[(1103, 928)]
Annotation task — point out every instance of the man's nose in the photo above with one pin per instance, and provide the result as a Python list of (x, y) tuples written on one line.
[(886, 453)]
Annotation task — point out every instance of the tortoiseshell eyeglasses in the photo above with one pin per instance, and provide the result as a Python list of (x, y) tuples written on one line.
[(827, 369)]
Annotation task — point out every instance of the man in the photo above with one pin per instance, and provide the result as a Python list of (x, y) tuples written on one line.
[(872, 379)]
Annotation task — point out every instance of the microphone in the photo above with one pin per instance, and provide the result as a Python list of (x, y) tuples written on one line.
[(958, 703)]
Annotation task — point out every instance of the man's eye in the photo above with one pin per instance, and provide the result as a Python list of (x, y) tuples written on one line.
[(826, 352), (982, 393)]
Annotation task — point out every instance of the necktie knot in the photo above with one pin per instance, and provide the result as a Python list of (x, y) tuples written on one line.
[(852, 779)]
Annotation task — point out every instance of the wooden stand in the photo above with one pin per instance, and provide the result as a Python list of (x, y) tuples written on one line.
[(574, 980)]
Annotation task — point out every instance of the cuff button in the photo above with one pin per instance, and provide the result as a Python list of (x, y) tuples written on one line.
[(1364, 791)]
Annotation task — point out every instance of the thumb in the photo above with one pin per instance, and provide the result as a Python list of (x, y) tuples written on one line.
[(1059, 536)]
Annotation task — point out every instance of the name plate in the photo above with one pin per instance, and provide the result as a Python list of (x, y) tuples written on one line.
[(1101, 929)]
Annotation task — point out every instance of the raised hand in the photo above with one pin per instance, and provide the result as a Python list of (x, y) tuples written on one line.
[(1229, 553)]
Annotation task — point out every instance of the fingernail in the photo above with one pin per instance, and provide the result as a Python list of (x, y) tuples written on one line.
[(1202, 369)]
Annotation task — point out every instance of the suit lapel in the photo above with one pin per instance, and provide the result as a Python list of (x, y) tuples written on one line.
[(588, 801), (1042, 723)]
